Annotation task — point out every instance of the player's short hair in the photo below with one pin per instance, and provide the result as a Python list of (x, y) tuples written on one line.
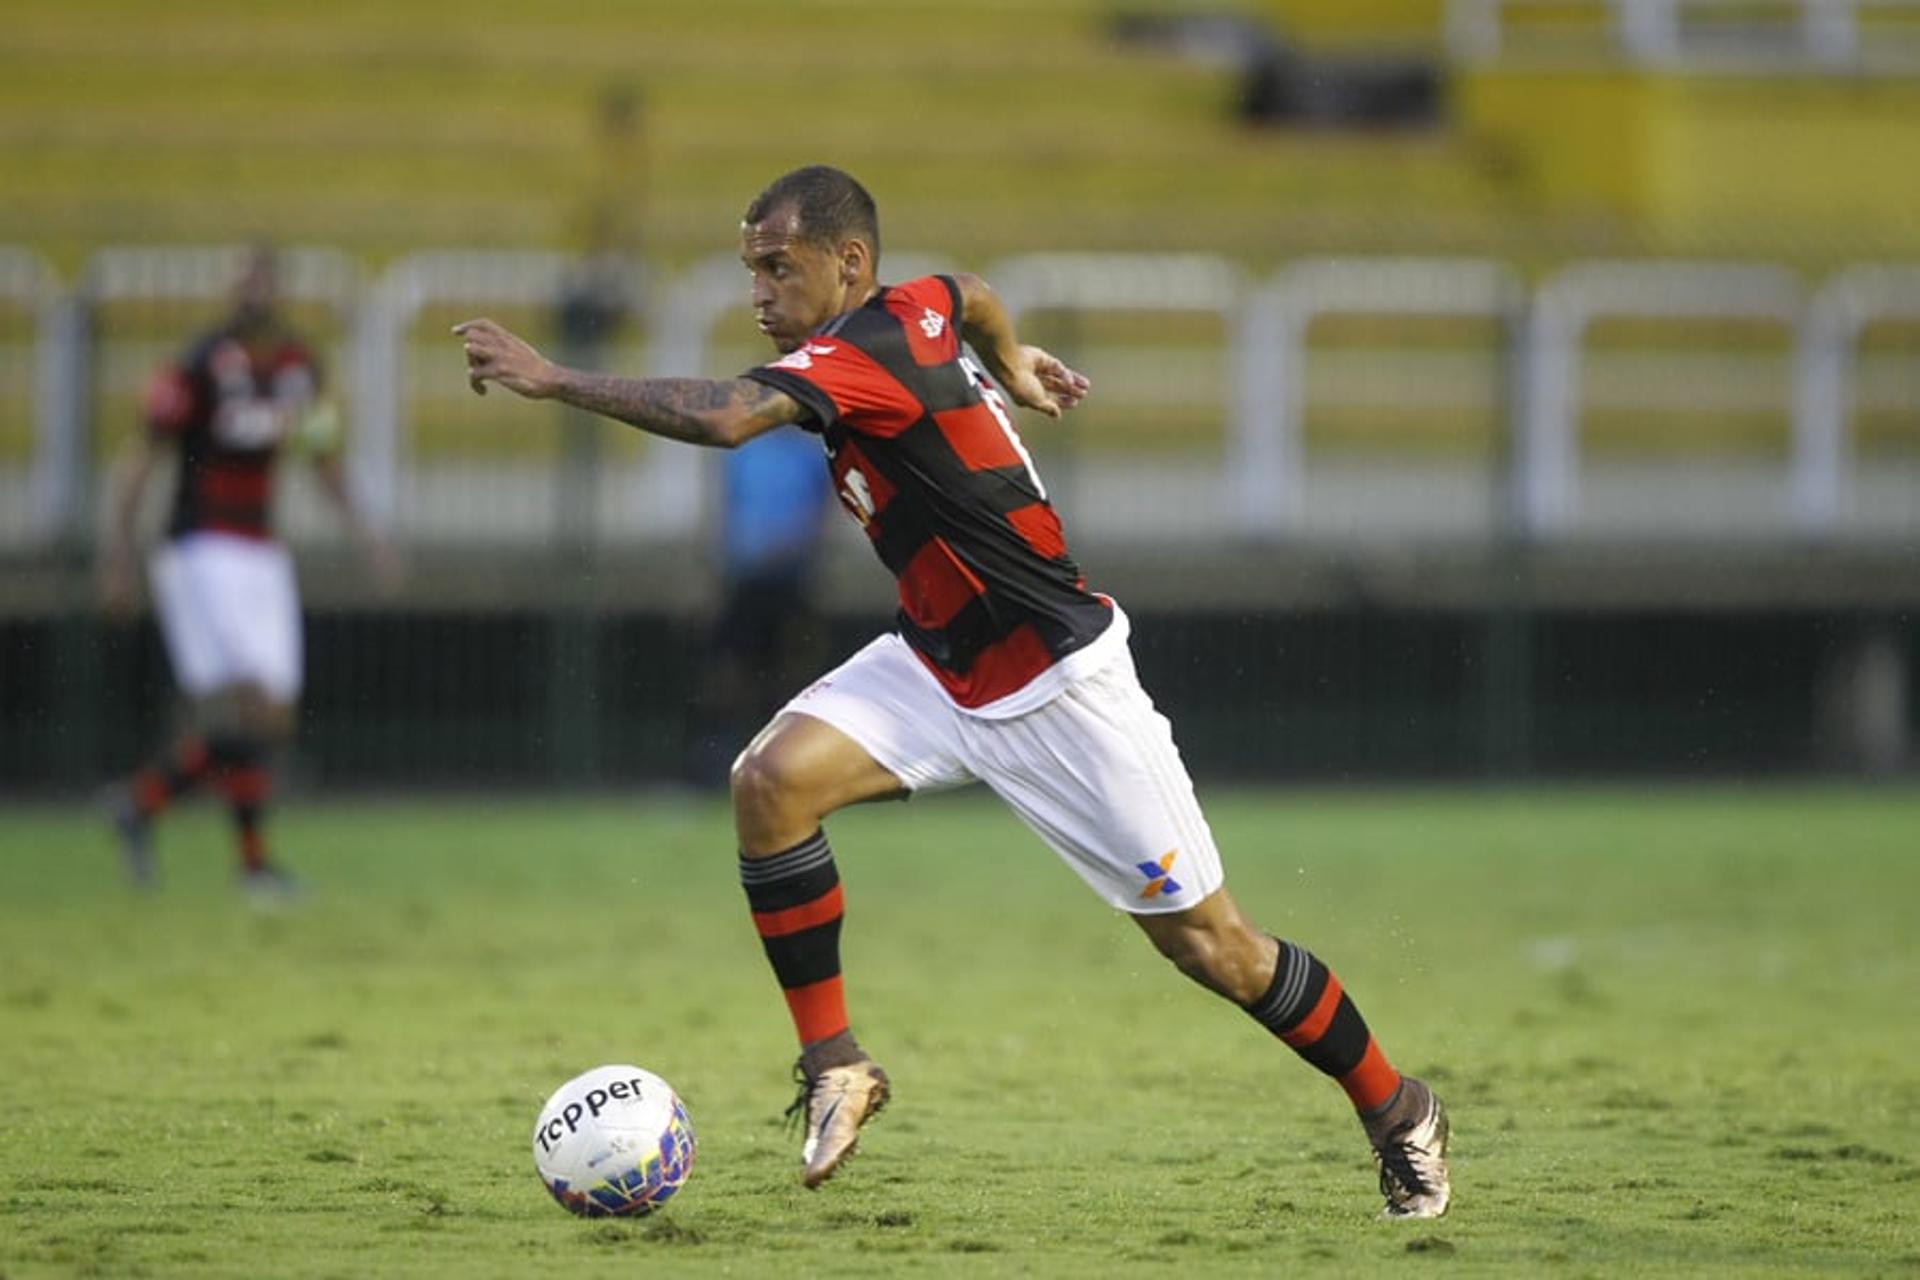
[(831, 206)]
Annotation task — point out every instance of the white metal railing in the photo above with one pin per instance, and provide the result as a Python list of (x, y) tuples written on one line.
[(1823, 387), (1268, 468), (30, 286), (1256, 486), (378, 458), (1117, 282), (1174, 495), (306, 273), (1565, 306), (1760, 35)]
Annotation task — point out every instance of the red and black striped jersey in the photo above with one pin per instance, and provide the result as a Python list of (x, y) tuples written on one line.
[(924, 455), (228, 405)]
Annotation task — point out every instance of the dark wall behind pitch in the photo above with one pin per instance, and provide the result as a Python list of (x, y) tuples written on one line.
[(537, 699)]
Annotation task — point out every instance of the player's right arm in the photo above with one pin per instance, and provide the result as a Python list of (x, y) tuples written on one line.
[(167, 405), (720, 413), (117, 569)]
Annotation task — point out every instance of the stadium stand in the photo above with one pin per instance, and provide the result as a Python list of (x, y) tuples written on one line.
[(381, 127)]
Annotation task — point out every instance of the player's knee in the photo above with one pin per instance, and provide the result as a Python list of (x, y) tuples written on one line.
[(248, 710), (759, 781)]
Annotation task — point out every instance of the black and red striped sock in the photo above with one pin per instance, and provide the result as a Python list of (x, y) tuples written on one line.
[(1306, 1007), (795, 899), (179, 768)]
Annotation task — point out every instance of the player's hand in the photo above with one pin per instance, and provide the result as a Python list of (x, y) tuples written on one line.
[(1039, 380), (497, 354)]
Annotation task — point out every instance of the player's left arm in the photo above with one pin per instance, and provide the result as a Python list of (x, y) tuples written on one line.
[(316, 435), (722, 413), (1034, 377)]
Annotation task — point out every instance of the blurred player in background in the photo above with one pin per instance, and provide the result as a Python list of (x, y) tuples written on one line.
[(768, 635), (223, 585), (1004, 668)]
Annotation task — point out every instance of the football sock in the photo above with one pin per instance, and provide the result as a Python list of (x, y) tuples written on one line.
[(1307, 1009), (240, 772), (795, 899), (176, 772)]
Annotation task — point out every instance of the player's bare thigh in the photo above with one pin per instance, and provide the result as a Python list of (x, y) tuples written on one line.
[(795, 772)]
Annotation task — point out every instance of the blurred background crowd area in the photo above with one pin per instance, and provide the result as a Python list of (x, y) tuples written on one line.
[(1491, 387)]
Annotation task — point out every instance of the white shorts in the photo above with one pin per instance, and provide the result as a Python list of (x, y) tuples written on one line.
[(1094, 771), (230, 613)]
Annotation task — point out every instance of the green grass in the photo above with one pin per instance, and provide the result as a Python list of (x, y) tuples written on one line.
[(1677, 1029)]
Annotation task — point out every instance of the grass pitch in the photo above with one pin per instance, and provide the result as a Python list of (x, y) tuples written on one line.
[(1678, 1030)]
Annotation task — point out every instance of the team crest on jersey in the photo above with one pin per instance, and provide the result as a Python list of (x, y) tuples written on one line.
[(932, 323), (803, 358)]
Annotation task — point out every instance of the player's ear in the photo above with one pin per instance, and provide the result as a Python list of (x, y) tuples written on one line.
[(854, 256)]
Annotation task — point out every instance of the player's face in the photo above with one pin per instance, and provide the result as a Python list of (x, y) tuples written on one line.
[(798, 284), (256, 296)]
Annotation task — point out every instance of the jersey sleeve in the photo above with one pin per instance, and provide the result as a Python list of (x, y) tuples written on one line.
[(836, 381), (940, 294), (816, 403), (929, 313)]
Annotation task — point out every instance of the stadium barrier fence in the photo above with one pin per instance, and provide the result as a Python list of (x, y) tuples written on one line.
[(1250, 479), (1328, 597)]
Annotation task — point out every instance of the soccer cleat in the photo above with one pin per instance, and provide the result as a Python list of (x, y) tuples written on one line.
[(1411, 1154), (838, 1101), (270, 889), (136, 839)]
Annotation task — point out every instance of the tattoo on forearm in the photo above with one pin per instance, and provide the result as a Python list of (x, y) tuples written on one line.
[(678, 408)]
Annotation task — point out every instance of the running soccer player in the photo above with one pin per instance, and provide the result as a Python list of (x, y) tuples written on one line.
[(223, 586), (1003, 669)]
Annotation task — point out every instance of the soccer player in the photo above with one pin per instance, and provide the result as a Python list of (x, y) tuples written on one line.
[(223, 586), (1004, 668)]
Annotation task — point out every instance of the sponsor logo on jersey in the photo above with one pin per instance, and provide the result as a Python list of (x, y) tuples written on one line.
[(932, 323), (803, 358), (857, 496), (1159, 875)]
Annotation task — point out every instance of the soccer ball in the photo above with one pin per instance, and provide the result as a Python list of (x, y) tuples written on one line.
[(613, 1141)]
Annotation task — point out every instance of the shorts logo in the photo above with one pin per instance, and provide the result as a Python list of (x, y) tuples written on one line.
[(1159, 875)]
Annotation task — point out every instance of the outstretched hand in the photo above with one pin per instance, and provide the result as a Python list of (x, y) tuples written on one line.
[(497, 354), (1039, 380)]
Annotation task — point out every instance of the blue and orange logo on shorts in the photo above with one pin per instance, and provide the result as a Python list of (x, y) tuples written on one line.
[(1159, 875)]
